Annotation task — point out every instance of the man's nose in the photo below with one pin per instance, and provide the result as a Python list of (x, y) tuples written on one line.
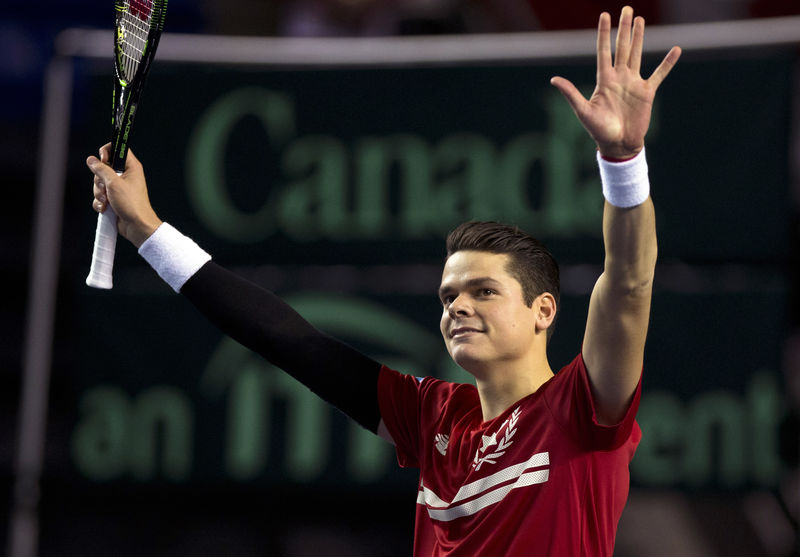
[(460, 306)]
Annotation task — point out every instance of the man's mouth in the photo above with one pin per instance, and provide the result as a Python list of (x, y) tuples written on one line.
[(461, 331)]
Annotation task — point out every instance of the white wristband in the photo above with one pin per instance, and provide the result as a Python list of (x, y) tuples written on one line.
[(174, 257), (625, 184)]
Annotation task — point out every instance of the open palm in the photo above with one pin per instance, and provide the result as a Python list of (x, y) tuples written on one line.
[(617, 114)]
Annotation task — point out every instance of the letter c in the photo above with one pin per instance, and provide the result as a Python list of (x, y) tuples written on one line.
[(205, 161)]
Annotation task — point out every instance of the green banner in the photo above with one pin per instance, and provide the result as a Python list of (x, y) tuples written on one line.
[(335, 188)]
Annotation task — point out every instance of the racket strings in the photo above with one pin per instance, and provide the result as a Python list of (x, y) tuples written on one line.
[(133, 27)]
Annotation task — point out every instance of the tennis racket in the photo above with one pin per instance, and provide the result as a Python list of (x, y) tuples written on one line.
[(138, 28)]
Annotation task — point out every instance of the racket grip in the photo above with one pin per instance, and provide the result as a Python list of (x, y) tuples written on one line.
[(105, 245)]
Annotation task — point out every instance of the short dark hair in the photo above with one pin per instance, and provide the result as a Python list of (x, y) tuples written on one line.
[(531, 263)]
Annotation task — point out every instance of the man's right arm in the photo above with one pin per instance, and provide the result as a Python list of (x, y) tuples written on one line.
[(249, 314), (264, 323)]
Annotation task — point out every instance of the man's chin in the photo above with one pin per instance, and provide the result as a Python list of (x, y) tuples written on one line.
[(469, 361)]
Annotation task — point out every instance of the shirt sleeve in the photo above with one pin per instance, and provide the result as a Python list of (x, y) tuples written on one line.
[(399, 401), (264, 323), (569, 398)]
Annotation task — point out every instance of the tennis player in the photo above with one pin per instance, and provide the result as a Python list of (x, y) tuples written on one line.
[(525, 462)]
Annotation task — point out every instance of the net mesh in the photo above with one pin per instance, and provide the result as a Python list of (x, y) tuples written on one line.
[(134, 20)]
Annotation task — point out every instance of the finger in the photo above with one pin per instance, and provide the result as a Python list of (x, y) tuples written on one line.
[(131, 160), (99, 189), (604, 42), (105, 153), (666, 65), (574, 97), (623, 44), (100, 196), (635, 62)]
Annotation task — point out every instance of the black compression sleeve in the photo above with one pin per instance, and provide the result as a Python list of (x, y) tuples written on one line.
[(264, 323)]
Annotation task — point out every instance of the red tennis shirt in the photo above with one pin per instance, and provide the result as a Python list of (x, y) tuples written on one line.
[(541, 479)]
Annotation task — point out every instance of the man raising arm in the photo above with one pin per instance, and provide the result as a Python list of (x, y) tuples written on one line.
[(525, 462), (617, 117)]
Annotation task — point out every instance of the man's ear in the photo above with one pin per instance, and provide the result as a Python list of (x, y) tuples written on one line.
[(545, 307)]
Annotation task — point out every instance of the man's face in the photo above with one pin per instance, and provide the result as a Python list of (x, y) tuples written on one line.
[(484, 319)]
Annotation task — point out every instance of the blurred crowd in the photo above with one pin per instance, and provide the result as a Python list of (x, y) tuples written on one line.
[(410, 17)]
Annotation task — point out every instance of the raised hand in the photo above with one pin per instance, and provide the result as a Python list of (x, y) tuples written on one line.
[(618, 113), (127, 195)]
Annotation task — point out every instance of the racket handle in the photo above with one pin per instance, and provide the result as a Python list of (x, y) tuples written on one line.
[(105, 244)]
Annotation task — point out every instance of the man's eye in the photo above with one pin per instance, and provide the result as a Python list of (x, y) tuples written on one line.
[(486, 292)]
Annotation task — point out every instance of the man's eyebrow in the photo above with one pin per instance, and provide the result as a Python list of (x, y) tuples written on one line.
[(471, 283)]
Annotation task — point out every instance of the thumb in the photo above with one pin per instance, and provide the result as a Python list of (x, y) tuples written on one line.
[(100, 169), (570, 92)]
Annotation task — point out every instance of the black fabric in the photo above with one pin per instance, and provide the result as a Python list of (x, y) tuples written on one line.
[(264, 323)]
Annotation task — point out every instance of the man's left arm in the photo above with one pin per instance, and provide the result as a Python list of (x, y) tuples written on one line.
[(617, 117), (619, 309)]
